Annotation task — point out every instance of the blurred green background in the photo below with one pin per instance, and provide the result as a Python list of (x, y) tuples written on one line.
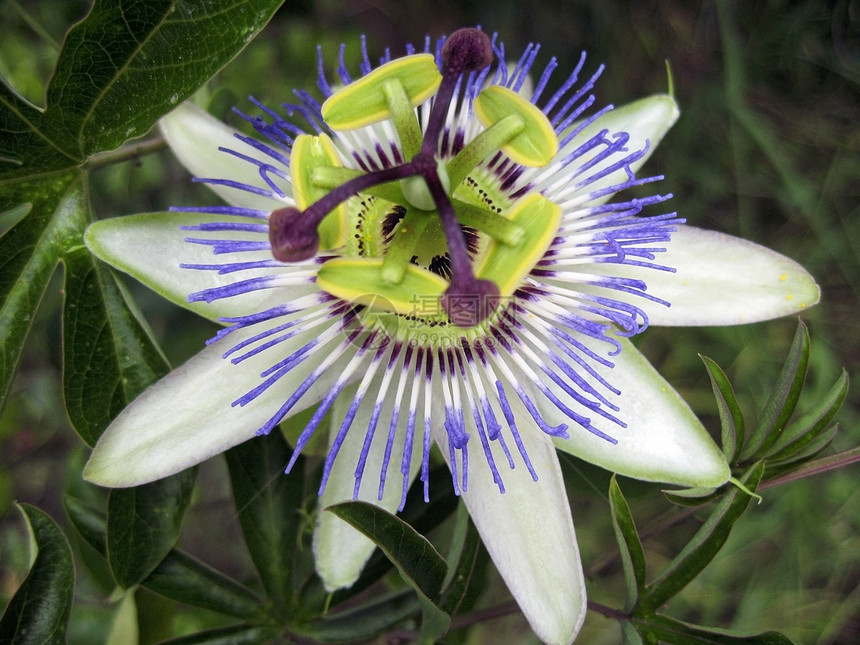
[(766, 148)]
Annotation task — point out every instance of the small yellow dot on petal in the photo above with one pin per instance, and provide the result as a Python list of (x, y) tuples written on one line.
[(783, 278)]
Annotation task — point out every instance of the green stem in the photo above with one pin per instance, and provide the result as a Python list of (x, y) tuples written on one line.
[(127, 152)]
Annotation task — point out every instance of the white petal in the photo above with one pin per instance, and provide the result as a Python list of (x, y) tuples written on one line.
[(195, 137), (187, 416), (719, 280), (528, 532), (151, 247), (341, 551), (663, 440), (646, 121)]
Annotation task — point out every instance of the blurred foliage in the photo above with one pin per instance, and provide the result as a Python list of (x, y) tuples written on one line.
[(767, 148)]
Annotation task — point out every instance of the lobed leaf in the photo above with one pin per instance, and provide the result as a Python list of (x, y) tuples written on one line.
[(143, 524), (39, 610), (29, 253), (109, 355), (121, 68)]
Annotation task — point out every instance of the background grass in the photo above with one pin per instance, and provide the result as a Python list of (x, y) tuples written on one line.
[(767, 148)]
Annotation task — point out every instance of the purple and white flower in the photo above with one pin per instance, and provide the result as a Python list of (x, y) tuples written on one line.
[(438, 255)]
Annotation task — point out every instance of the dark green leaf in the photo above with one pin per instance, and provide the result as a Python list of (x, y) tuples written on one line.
[(808, 451), (780, 406), (731, 418), (109, 357), (178, 576), (88, 522), (668, 630), (807, 427), (39, 610), (419, 563), (692, 497), (466, 566), (629, 635), (422, 516), (369, 619), (268, 503), (143, 524), (185, 579), (29, 253), (24, 147), (435, 622), (632, 554), (121, 68), (702, 548), (413, 555), (232, 635)]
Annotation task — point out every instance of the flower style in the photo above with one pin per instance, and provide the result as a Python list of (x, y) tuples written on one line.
[(431, 256)]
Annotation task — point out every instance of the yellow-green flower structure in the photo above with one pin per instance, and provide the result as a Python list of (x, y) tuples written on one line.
[(439, 252)]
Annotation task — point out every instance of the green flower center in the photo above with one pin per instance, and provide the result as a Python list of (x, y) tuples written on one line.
[(432, 240)]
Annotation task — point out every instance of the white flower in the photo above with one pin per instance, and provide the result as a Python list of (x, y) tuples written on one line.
[(438, 261)]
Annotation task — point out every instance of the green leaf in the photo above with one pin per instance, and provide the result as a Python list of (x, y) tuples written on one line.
[(178, 576), (124, 626), (692, 496), (88, 522), (629, 635), (813, 423), (422, 516), (669, 630), (804, 453), (632, 554), (268, 504), (702, 548), (231, 635), (466, 566), (780, 406), (413, 555), (121, 68), (109, 356), (29, 253), (369, 619), (183, 578), (24, 147), (419, 563), (143, 524), (39, 610), (731, 418)]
